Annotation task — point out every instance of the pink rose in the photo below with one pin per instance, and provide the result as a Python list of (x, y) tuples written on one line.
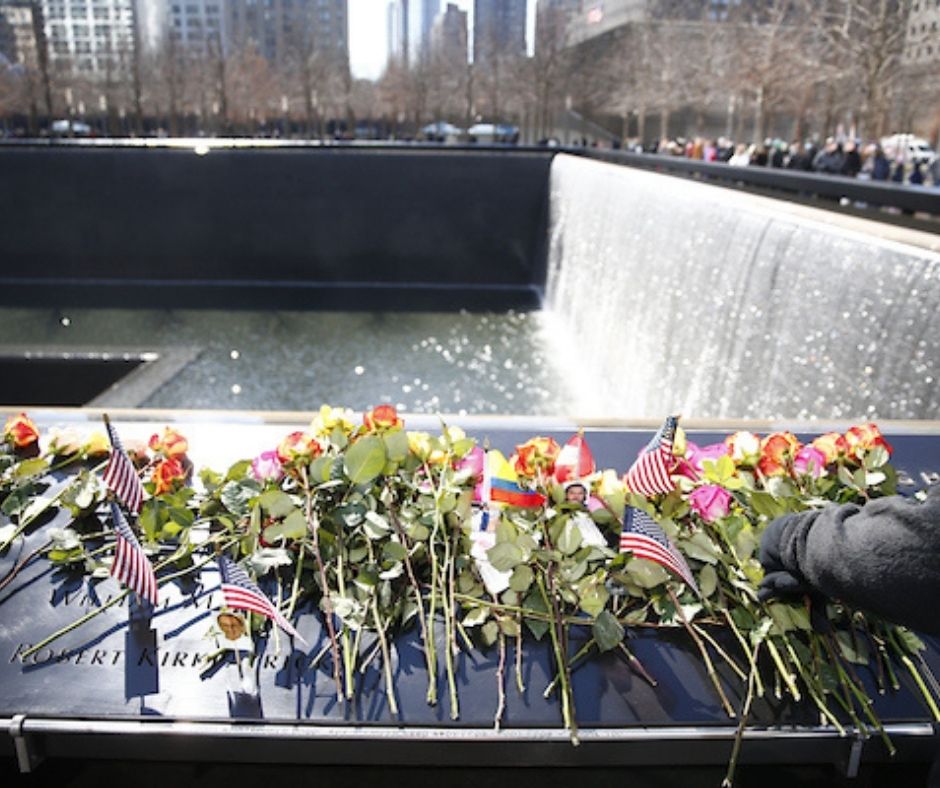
[(472, 462), (266, 467), (810, 461), (710, 502), (696, 455)]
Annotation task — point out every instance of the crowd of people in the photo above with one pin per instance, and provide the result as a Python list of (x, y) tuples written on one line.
[(846, 157)]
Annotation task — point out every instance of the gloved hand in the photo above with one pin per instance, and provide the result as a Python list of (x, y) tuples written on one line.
[(784, 583)]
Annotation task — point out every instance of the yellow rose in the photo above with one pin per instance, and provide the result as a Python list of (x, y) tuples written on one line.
[(329, 419)]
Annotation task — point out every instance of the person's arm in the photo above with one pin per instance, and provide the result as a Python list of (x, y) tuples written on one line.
[(883, 557)]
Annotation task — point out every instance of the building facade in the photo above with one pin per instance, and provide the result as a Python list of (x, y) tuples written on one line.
[(499, 28), (449, 35), (922, 36), (90, 36), (281, 29)]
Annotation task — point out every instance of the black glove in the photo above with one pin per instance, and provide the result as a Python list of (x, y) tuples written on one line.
[(784, 583)]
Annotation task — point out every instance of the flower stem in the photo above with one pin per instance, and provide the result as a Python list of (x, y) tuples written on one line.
[(562, 666), (386, 659)]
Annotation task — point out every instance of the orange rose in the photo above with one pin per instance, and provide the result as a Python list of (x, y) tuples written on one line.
[(298, 446), (863, 437), (382, 418), (172, 444), (167, 474), (776, 453), (536, 454), (20, 431), (832, 444)]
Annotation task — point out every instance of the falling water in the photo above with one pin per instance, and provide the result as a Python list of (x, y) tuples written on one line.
[(675, 295)]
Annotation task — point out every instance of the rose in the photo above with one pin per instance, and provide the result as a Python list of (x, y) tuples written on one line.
[(171, 444), (20, 431), (744, 448), (266, 467), (298, 447), (696, 455), (832, 445), (329, 419), (66, 442), (777, 451), (536, 454), (98, 445), (382, 418), (710, 502), (809, 461), (472, 463), (863, 437), (167, 474)]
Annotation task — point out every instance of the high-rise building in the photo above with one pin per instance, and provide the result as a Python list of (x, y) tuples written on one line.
[(90, 36), (498, 28), (198, 26), (552, 18), (449, 35), (17, 35), (396, 21), (922, 36), (421, 16), (282, 29)]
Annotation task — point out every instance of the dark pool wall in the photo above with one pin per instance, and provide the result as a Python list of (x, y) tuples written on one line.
[(318, 228)]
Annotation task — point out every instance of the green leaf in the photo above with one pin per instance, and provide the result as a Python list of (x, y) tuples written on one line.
[(365, 459), (845, 476), (396, 445), (646, 574), (534, 602), (238, 471), (32, 467), (476, 616), (276, 503), (522, 577), (765, 504), (570, 539), (236, 495), (394, 551), (607, 631), (268, 558), (707, 580), (700, 547), (876, 458), (909, 640), (593, 597), (509, 627), (319, 470), (489, 632), (294, 526), (505, 556)]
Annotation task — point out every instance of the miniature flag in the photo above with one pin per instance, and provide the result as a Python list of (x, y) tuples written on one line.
[(240, 593), (131, 566), (501, 485), (650, 474), (120, 475), (644, 538), (574, 461)]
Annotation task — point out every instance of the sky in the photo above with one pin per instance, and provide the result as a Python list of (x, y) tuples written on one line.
[(367, 42)]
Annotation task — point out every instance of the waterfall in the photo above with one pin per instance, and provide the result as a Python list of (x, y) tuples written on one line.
[(666, 294)]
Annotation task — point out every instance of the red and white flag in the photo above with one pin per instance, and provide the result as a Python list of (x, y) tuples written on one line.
[(652, 471), (574, 461), (131, 567), (120, 475)]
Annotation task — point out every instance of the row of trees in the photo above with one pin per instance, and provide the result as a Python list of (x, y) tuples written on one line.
[(783, 67)]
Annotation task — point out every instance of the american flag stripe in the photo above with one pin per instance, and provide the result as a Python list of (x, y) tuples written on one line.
[(240, 593), (120, 475), (644, 538), (131, 567), (651, 473)]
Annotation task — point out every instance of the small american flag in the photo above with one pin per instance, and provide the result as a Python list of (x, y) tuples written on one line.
[(120, 475), (131, 566), (644, 538), (240, 593), (650, 474)]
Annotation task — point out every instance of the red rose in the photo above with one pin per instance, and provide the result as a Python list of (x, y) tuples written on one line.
[(832, 445), (382, 418), (298, 446), (776, 453), (167, 474), (536, 454), (863, 437), (20, 431), (171, 444)]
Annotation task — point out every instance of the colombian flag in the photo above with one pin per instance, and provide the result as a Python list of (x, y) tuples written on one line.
[(501, 485)]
